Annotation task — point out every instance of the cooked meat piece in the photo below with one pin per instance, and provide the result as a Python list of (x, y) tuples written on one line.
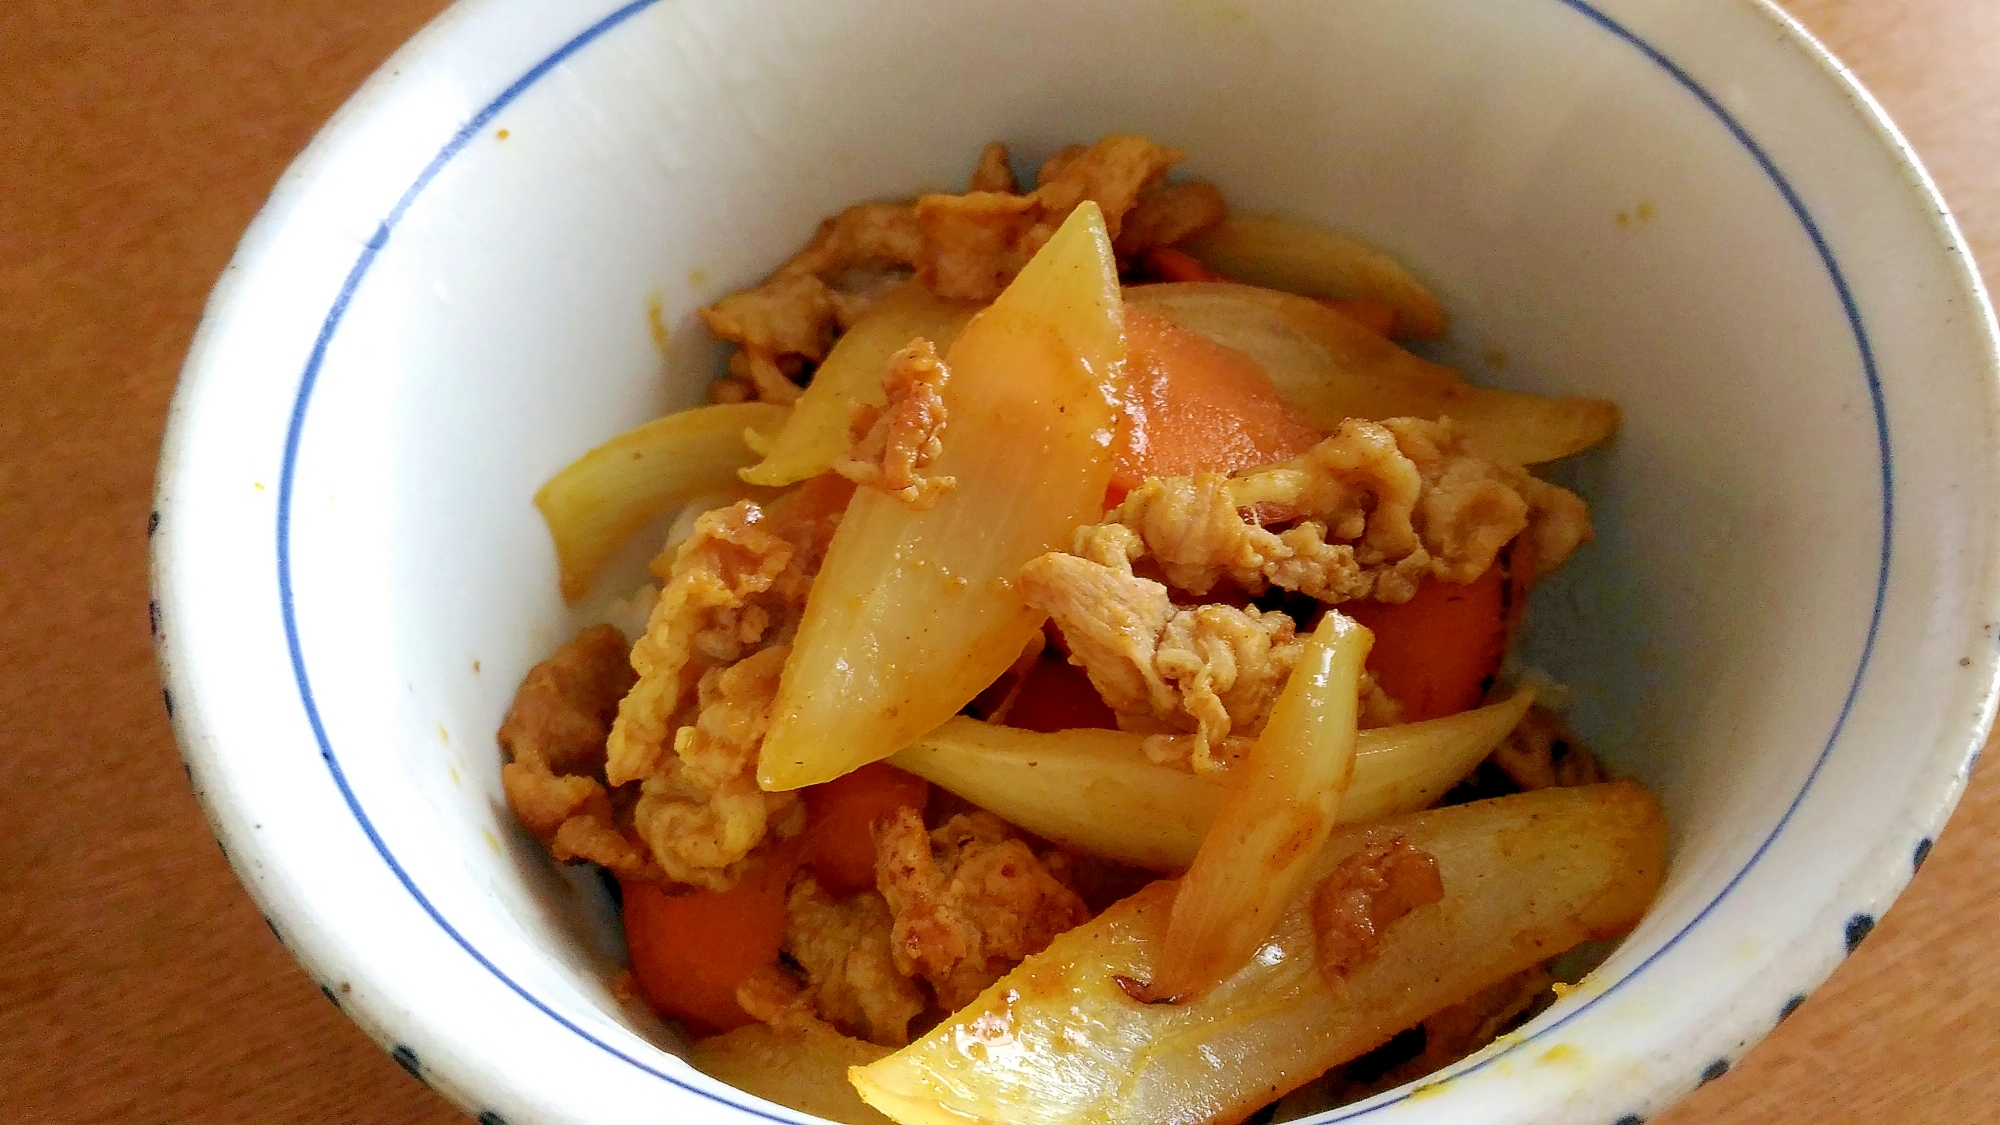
[(895, 443), (1227, 666), (544, 801), (968, 246), (599, 839), (555, 733), (573, 816), (793, 317), (1542, 753), (864, 234), (975, 243), (970, 900), (1169, 213), (720, 746), (1113, 172), (706, 613), (1365, 894), (1058, 161), (704, 813), (1211, 669), (993, 173), (773, 996), (737, 582), (1459, 516), (842, 946), (563, 711), (691, 728), (1373, 509), (704, 838), (1378, 709), (792, 314)]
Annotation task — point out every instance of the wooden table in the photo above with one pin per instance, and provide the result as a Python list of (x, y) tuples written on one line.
[(136, 980)]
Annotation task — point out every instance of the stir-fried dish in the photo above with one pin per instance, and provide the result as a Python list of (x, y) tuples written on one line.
[(1076, 688)]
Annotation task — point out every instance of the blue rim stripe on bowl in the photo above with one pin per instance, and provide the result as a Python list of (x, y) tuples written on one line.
[(620, 16)]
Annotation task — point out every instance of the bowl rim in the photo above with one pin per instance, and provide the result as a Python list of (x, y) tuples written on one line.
[(349, 121)]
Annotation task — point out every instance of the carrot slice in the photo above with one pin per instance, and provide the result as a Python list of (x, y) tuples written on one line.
[(1435, 652), (840, 817), (691, 949), (1378, 317), (1056, 695), (1197, 406), (1169, 264)]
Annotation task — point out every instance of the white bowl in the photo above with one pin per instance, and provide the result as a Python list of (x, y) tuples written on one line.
[(1786, 627)]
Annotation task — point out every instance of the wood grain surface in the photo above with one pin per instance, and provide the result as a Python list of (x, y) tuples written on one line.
[(137, 983)]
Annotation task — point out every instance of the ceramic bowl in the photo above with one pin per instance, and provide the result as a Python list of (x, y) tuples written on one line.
[(1786, 626)]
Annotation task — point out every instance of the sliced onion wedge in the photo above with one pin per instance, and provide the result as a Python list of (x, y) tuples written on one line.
[(1317, 262), (914, 610), (1059, 1041), (1095, 792), (605, 496)]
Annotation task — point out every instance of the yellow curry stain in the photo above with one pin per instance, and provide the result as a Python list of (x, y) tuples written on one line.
[(1589, 986), (656, 322), (492, 841), (1428, 1090), (1561, 1053)]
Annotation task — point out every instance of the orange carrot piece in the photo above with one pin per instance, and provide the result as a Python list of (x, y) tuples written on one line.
[(1197, 406), (1435, 652), (690, 949), (840, 817), (1169, 264), (1378, 317), (1056, 695)]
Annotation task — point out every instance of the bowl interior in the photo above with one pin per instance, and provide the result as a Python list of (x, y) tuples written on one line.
[(1601, 198)]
